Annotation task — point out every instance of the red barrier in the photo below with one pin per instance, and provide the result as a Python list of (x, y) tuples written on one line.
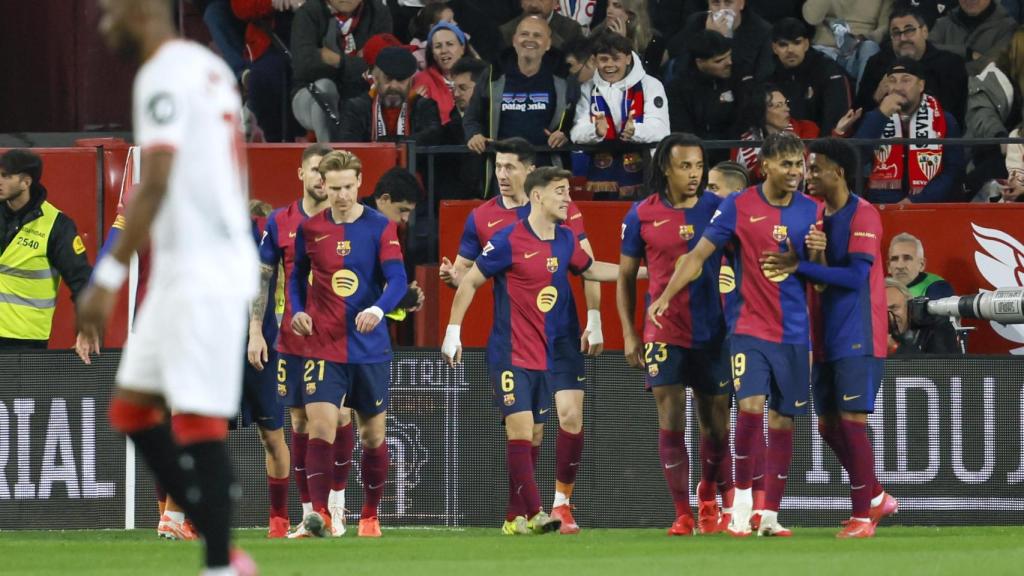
[(952, 247)]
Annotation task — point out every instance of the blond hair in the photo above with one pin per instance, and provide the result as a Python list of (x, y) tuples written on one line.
[(338, 161)]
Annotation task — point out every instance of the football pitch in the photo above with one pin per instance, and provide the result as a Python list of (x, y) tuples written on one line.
[(418, 551)]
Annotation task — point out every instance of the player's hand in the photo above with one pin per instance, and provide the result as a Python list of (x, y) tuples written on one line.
[(556, 139), (592, 341), (656, 310), (633, 349), (600, 125), (368, 319), (629, 130), (94, 308), (780, 262), (302, 324), (478, 143), (86, 345), (420, 297), (448, 273), (451, 348), (257, 352), (816, 239)]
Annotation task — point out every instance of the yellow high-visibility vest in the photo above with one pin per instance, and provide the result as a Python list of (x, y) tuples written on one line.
[(28, 284)]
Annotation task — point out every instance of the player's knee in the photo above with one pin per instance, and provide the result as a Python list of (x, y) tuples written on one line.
[(273, 443), (371, 438), (570, 419), (195, 429), (344, 417), (128, 417)]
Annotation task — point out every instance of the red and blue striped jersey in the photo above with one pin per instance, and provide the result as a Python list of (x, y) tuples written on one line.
[(492, 216), (354, 266), (277, 246), (773, 308), (658, 233), (532, 296)]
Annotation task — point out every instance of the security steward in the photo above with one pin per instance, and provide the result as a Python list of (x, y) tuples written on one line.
[(39, 245)]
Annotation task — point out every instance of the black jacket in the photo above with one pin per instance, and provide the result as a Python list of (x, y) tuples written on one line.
[(936, 338), (357, 114), (751, 46), (702, 105), (818, 90), (945, 79), (74, 268)]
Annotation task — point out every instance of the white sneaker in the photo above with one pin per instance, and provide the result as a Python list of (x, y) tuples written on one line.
[(742, 508), (299, 532), (770, 525), (336, 506)]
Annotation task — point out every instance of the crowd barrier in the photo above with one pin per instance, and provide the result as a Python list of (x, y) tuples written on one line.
[(948, 436)]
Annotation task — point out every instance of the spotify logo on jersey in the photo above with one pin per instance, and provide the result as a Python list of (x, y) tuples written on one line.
[(345, 283), (547, 298)]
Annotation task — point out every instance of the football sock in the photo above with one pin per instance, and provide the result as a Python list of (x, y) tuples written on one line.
[(749, 430), (780, 452), (374, 466), (161, 496), (568, 454), (278, 488), (675, 464), (757, 480), (344, 445), (520, 471), (300, 441), (862, 466), (319, 471), (534, 456), (217, 492), (833, 436), (724, 475), (709, 464), (515, 502)]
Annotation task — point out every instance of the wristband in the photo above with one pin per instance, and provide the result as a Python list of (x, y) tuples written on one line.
[(109, 274), (376, 311), (593, 319)]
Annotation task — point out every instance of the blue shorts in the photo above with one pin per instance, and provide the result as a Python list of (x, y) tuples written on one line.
[(288, 368), (521, 390), (704, 370), (569, 369), (366, 388), (261, 401), (779, 371), (847, 384)]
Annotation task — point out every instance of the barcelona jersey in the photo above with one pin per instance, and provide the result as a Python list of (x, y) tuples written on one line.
[(278, 247)]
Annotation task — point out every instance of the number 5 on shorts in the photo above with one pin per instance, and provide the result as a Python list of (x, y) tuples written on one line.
[(508, 383)]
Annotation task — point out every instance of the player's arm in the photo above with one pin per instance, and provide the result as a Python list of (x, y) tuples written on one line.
[(601, 272), (452, 273), (687, 268), (625, 300), (592, 340), (469, 250), (270, 255), (452, 346), (298, 287)]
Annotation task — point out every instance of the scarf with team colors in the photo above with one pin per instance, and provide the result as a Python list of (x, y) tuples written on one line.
[(380, 129), (923, 161), (632, 102)]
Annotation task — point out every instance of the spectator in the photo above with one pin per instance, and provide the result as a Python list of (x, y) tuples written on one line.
[(1013, 189), (39, 246), (392, 110), (750, 34), (480, 23), (727, 178), (930, 10), (563, 29), (702, 100), (630, 18), (775, 10), (578, 59), (919, 172), (529, 99), (464, 78), (621, 103), (766, 112), (671, 15), (912, 336), (976, 30), (446, 45), (226, 31), (849, 31), (944, 71), (907, 266), (423, 23), (816, 87), (454, 176), (326, 38), (584, 12)]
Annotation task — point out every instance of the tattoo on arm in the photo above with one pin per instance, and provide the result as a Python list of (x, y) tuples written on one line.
[(259, 305)]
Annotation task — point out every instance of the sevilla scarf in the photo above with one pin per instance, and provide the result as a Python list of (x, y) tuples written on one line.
[(379, 126), (924, 162), (632, 103), (346, 31)]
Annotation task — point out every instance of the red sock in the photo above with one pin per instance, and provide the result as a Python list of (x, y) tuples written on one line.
[(300, 441), (833, 436), (710, 455), (161, 494), (757, 481), (780, 452), (319, 471), (520, 471), (344, 444), (749, 434), (862, 466), (534, 456), (278, 497), (675, 464), (724, 476), (515, 502), (374, 476), (568, 453)]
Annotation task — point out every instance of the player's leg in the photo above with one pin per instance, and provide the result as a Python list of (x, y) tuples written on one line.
[(568, 450), (752, 381), (709, 377), (290, 388), (675, 459), (174, 525), (344, 446), (321, 426), (261, 403), (278, 462), (370, 398)]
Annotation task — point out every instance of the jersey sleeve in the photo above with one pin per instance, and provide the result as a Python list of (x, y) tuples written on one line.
[(390, 247), (632, 241), (723, 224), (160, 109), (469, 245), (575, 221), (270, 250), (866, 234), (297, 283), (580, 261), (496, 257)]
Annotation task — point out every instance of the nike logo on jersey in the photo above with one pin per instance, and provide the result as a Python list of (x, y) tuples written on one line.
[(671, 466), (319, 238), (378, 402), (800, 404), (848, 398), (529, 255), (756, 218), (495, 223), (658, 223), (291, 234)]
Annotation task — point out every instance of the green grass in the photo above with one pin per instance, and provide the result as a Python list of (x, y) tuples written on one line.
[(412, 552)]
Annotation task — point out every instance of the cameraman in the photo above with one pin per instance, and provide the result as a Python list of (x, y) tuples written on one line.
[(914, 331)]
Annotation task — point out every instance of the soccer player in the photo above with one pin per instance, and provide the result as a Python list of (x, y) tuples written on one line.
[(355, 259), (686, 350), (514, 161), (190, 331), (854, 321), (530, 262), (768, 322)]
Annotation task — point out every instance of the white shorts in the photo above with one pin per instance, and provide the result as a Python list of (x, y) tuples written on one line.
[(190, 350)]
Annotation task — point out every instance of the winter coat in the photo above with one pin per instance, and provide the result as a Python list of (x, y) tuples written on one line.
[(655, 124)]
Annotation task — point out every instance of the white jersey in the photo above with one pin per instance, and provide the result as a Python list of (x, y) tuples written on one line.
[(185, 99)]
